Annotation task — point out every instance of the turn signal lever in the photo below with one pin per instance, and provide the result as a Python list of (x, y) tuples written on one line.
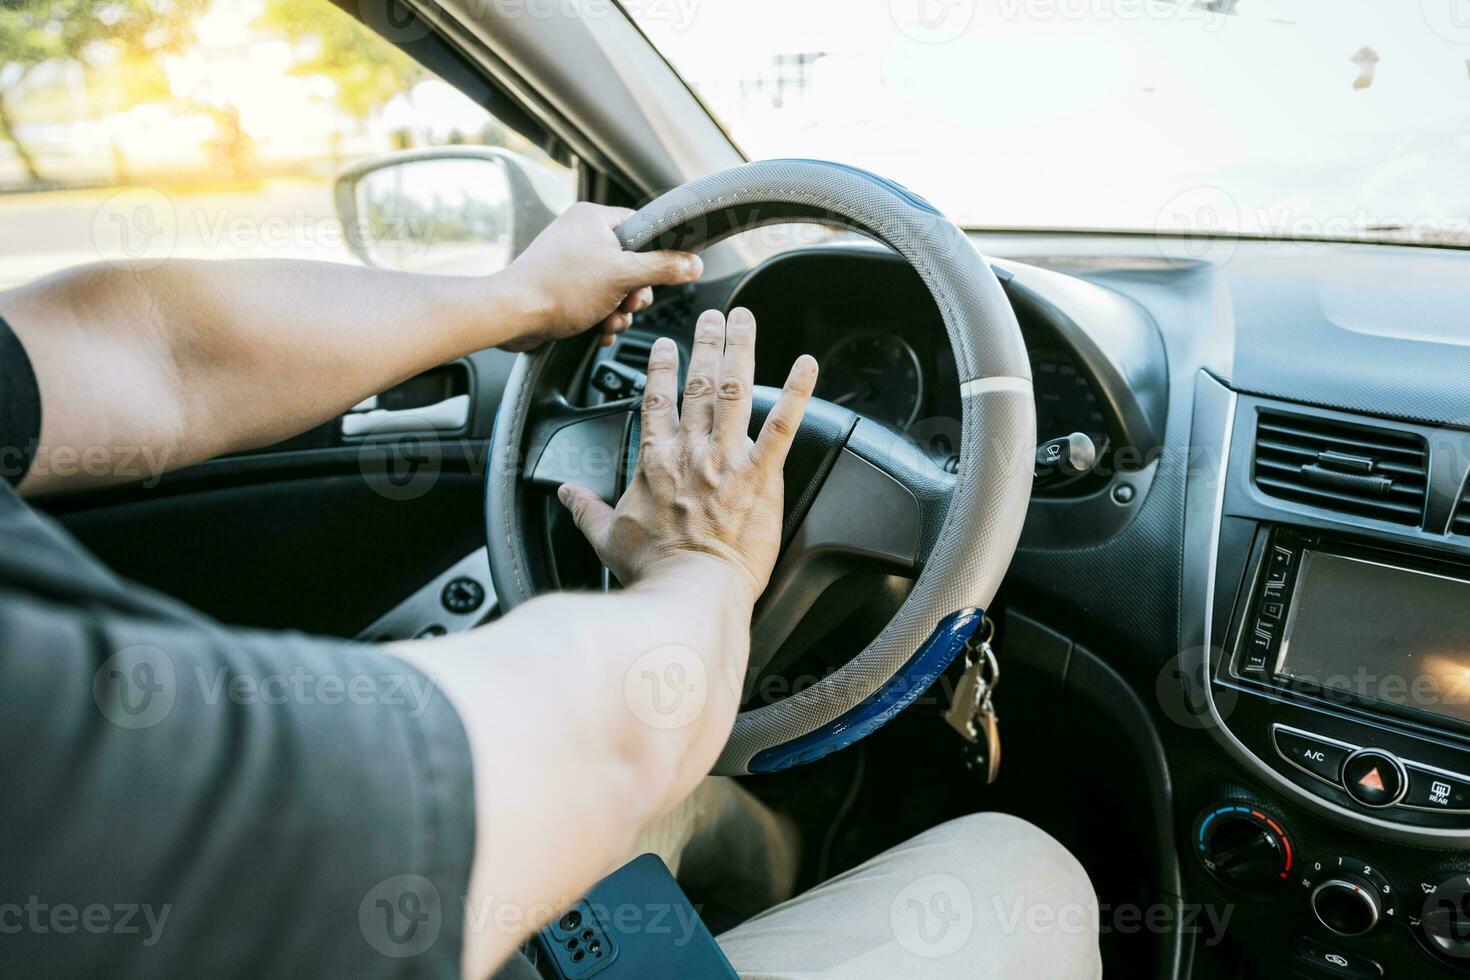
[(1064, 457)]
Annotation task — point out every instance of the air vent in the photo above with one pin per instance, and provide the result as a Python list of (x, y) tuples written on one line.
[(633, 349), (1355, 469), (1461, 523)]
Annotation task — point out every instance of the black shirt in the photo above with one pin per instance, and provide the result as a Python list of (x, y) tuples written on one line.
[(183, 799), (20, 408)]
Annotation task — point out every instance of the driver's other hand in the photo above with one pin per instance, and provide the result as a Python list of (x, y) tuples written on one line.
[(702, 488), (578, 275)]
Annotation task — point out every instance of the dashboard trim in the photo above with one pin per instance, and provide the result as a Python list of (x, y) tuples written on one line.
[(1116, 342)]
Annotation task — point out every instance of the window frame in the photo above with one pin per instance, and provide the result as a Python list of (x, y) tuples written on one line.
[(446, 58)]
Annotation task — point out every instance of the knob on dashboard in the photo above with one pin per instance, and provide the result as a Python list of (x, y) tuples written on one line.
[(1244, 847), (1444, 923), (1347, 905), (1350, 897)]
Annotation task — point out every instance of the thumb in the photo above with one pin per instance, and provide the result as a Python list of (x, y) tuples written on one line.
[(591, 514), (663, 268)]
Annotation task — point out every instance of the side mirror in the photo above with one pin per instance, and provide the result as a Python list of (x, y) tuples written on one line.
[(450, 210)]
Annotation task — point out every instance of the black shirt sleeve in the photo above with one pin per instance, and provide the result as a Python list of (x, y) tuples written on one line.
[(183, 799), (20, 407)]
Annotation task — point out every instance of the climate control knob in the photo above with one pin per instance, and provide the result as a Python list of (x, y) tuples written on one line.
[(1243, 847), (1444, 922), (1346, 905), (1349, 897)]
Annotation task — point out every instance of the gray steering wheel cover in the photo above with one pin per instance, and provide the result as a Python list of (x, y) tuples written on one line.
[(997, 426)]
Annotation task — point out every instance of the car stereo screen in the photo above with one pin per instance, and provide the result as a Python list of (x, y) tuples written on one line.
[(1390, 634)]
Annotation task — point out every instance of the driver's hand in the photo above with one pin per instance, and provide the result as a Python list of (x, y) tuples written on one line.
[(579, 276), (702, 487)]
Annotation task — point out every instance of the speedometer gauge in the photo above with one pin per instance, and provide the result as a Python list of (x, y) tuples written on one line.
[(876, 375)]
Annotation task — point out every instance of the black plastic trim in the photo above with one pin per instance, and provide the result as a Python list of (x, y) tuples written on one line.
[(1085, 675)]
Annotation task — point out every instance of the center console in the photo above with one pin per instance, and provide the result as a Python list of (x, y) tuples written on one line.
[(1334, 669), (1349, 668)]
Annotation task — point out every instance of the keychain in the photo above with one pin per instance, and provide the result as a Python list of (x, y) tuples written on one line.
[(972, 712)]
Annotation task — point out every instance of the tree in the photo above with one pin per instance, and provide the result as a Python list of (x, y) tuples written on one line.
[(367, 70), (34, 32)]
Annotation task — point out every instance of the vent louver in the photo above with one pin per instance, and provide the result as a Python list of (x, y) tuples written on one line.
[(1355, 469), (1461, 523), (633, 349)]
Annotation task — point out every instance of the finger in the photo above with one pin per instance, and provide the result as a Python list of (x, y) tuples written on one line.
[(781, 425), (665, 268), (605, 333), (737, 374), (638, 299), (590, 513), (614, 216), (616, 322), (660, 418), (698, 413)]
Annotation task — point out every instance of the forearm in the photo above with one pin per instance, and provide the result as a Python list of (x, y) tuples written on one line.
[(144, 369), (588, 716), (187, 360)]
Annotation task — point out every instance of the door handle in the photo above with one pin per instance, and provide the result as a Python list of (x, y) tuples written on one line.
[(450, 415)]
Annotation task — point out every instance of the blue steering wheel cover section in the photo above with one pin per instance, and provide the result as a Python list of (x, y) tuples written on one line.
[(898, 692)]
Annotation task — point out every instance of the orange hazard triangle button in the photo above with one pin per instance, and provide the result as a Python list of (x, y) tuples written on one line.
[(1373, 781), (1373, 778)]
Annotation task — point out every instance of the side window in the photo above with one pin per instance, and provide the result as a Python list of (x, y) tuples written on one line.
[(219, 128)]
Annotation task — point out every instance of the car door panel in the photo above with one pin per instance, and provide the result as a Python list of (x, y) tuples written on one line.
[(324, 555), (322, 533)]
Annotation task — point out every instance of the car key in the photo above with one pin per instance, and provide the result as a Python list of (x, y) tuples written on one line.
[(972, 712)]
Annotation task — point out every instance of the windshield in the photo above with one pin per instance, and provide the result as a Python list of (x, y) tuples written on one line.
[(1284, 118)]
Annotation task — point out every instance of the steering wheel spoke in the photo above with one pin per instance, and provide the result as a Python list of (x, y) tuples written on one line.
[(589, 446), (878, 510)]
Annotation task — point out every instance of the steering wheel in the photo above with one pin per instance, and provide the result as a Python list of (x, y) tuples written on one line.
[(858, 494)]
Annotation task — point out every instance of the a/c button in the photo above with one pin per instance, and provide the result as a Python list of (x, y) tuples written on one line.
[(1316, 755)]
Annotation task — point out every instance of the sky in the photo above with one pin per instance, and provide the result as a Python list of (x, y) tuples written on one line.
[(1111, 113)]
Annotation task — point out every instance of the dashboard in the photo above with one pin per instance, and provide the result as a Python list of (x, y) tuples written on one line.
[(1265, 577), (883, 350), (877, 336)]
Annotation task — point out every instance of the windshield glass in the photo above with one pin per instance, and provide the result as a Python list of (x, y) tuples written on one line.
[(1284, 118)]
